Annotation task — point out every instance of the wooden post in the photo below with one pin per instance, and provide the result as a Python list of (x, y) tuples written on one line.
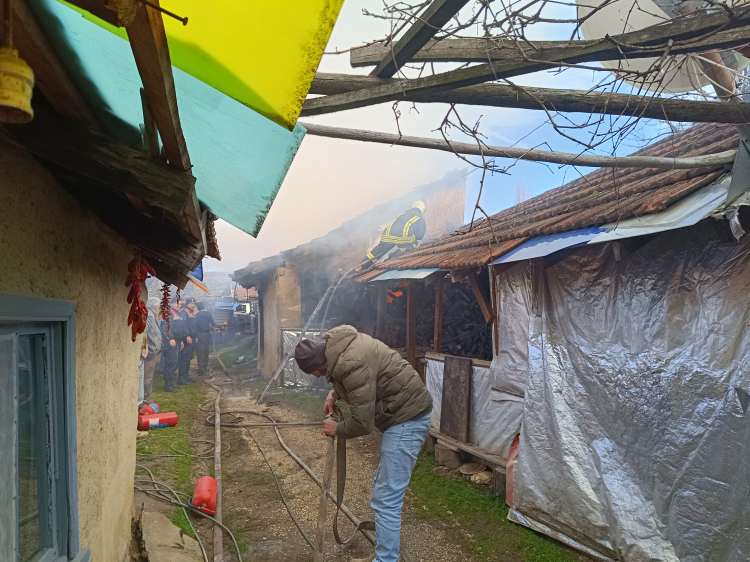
[(325, 489), (437, 342), (411, 324), (382, 303), (486, 307)]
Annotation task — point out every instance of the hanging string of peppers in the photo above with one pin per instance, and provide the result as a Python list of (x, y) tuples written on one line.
[(138, 272), (164, 306)]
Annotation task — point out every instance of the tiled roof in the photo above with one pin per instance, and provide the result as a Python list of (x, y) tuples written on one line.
[(603, 196)]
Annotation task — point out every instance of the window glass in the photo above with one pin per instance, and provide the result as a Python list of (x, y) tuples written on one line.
[(32, 447)]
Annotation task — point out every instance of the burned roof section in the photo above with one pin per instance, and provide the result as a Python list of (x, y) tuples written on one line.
[(604, 196)]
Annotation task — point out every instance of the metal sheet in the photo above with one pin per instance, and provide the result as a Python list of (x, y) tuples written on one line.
[(634, 441), (545, 245), (405, 274), (456, 399), (687, 212)]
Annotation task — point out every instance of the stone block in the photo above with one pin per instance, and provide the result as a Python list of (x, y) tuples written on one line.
[(445, 456)]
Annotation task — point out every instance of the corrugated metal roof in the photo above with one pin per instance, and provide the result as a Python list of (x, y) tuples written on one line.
[(684, 213), (546, 245), (601, 197), (406, 274)]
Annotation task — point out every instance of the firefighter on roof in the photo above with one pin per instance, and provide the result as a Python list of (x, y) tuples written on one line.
[(404, 232)]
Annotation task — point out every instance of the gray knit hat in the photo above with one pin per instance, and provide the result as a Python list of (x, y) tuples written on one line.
[(310, 355)]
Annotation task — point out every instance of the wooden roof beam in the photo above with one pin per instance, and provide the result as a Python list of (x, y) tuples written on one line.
[(105, 161), (417, 36), (51, 77), (481, 50), (582, 101), (683, 33), (148, 40), (115, 12)]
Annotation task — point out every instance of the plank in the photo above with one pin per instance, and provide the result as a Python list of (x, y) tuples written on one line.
[(456, 404), (101, 159), (148, 40), (50, 74), (411, 323), (646, 42), (480, 49), (555, 100), (475, 450), (565, 158), (484, 303), (115, 12), (437, 340), (437, 14), (382, 304)]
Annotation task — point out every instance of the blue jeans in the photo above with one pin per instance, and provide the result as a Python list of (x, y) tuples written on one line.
[(401, 444)]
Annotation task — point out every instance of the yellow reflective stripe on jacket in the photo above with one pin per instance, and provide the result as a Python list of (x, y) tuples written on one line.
[(404, 238)]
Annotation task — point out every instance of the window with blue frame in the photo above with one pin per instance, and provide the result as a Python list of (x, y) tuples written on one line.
[(38, 475)]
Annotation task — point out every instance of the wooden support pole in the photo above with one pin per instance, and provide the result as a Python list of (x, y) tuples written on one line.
[(382, 304), (411, 323), (554, 100), (427, 25), (592, 160), (683, 34), (437, 341), (484, 304)]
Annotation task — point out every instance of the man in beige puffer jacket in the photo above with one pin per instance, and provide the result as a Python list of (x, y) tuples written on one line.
[(385, 392)]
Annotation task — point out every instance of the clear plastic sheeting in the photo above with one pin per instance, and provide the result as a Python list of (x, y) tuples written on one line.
[(495, 419), (634, 441), (293, 376)]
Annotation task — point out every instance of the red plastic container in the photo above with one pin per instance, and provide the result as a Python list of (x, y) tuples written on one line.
[(155, 421), (204, 495), (149, 409)]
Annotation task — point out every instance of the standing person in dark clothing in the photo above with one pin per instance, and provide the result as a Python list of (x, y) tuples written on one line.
[(205, 323), (191, 334), (175, 340)]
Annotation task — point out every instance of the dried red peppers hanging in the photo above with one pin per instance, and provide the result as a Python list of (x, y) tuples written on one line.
[(138, 272), (164, 306)]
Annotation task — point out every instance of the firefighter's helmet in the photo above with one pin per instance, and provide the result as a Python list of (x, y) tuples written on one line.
[(418, 205)]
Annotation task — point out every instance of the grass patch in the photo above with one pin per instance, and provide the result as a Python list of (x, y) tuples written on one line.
[(178, 518), (175, 470), (466, 506)]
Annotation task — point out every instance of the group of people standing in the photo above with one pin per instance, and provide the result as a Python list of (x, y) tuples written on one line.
[(171, 346)]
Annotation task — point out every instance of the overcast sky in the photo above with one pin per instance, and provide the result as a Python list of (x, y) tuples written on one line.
[(331, 180)]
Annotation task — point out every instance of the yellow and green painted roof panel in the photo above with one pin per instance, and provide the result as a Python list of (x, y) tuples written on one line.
[(262, 54)]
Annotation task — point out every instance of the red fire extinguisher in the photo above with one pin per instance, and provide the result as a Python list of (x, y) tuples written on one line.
[(155, 421), (204, 495), (152, 408)]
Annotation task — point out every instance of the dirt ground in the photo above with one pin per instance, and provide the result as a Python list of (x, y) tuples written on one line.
[(252, 507)]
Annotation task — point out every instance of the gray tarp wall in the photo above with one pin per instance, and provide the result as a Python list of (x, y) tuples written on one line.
[(634, 439)]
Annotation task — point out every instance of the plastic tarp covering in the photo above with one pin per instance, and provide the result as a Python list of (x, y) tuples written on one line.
[(634, 438), (292, 373), (240, 158), (494, 421)]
